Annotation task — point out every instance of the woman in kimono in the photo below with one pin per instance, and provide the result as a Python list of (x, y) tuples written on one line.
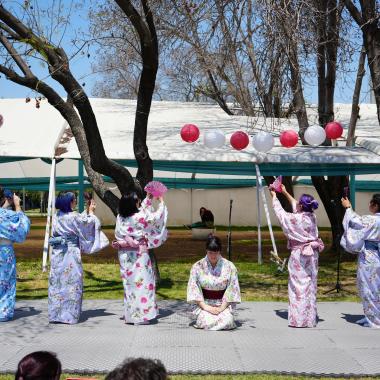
[(139, 227), (72, 234), (362, 236), (300, 227), (14, 226), (214, 289)]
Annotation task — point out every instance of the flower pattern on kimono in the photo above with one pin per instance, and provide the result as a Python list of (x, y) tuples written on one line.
[(148, 228)]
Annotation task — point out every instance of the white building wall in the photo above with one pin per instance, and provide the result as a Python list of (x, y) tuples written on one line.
[(184, 205)]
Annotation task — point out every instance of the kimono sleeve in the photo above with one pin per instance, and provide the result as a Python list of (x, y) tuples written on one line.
[(281, 214), (357, 229), (232, 293), (194, 290), (91, 238), (14, 225), (156, 231)]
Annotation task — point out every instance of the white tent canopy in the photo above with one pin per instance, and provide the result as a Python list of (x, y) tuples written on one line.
[(29, 132)]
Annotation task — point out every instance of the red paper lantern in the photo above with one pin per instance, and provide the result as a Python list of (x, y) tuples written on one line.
[(190, 133), (289, 138), (334, 130), (239, 140)]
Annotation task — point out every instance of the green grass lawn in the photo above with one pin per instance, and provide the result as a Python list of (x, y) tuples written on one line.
[(257, 282)]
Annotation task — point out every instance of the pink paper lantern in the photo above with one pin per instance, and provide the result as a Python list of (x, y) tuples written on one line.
[(334, 130), (190, 133), (289, 138), (239, 140)]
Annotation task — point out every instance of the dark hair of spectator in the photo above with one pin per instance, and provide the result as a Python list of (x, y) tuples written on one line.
[(39, 365), (139, 369), (213, 243), (375, 201), (63, 201), (128, 205)]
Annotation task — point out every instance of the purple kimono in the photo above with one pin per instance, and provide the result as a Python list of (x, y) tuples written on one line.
[(302, 232), (73, 234)]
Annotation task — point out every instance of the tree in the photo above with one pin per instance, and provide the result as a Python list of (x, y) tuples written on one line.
[(368, 20), (24, 42)]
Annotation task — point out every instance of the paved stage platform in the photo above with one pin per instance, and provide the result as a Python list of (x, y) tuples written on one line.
[(262, 343)]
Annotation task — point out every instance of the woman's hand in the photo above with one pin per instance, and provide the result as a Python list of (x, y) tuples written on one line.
[(273, 194), (16, 202), (283, 188), (346, 203)]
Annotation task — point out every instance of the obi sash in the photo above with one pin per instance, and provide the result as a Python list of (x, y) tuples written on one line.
[(213, 294), (131, 244), (308, 247), (56, 241), (372, 245)]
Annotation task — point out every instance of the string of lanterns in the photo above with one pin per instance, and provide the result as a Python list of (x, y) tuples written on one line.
[(262, 141)]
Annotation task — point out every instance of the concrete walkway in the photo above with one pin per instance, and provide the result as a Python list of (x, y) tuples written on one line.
[(262, 343)]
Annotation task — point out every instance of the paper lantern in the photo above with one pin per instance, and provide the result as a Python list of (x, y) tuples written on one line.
[(190, 133), (289, 138), (315, 135), (263, 142), (333, 130), (1, 120), (214, 139), (239, 140)]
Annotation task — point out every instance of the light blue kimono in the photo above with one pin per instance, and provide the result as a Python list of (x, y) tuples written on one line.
[(14, 226), (362, 237), (73, 234)]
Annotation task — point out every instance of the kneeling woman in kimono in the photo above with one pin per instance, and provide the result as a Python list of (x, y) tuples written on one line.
[(362, 236), (138, 228), (14, 226), (300, 227), (214, 288), (72, 234)]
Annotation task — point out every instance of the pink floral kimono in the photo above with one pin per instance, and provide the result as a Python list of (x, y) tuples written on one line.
[(135, 235), (362, 237), (213, 286), (302, 232)]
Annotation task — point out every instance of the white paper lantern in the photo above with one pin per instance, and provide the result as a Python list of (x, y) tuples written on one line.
[(214, 139), (315, 135), (263, 142)]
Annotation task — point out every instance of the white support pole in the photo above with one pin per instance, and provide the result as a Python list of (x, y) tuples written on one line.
[(259, 244), (258, 175), (50, 211)]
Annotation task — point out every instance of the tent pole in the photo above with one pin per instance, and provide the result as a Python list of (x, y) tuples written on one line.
[(259, 246), (352, 190), (50, 211), (258, 175), (81, 185)]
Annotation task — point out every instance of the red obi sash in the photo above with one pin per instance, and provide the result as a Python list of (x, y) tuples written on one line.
[(213, 294)]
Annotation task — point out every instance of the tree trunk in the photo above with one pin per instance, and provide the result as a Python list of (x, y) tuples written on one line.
[(355, 99)]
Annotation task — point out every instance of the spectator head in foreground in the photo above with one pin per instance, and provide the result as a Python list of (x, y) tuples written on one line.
[(41, 365), (139, 369)]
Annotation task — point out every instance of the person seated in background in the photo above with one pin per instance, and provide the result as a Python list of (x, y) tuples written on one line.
[(39, 365), (139, 369), (214, 289), (207, 219)]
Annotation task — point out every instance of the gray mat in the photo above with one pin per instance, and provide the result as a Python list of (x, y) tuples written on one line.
[(262, 343)]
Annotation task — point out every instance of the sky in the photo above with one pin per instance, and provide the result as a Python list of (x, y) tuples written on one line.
[(81, 67)]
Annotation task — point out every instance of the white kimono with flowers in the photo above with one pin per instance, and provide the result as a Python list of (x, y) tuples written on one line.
[(146, 229), (302, 232), (222, 277), (362, 237), (72, 234)]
